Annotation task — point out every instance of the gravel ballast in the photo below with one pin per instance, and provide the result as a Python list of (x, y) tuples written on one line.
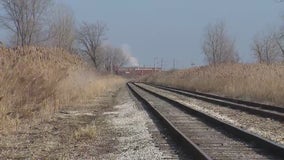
[(265, 127), (131, 126), (135, 141)]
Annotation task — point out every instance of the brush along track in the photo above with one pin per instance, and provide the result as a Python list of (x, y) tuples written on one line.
[(204, 134), (264, 110)]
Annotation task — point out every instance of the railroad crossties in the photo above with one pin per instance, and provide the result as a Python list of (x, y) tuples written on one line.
[(210, 128), (141, 121)]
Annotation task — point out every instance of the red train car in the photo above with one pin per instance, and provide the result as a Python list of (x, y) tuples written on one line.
[(132, 72)]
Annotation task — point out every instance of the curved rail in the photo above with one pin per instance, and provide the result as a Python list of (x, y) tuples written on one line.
[(260, 142)]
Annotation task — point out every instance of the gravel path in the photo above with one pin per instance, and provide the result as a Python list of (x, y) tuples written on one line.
[(265, 127), (106, 127), (135, 141), (75, 132)]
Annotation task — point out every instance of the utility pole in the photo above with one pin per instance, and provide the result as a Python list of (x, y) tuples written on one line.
[(174, 64), (155, 63), (111, 66), (162, 63)]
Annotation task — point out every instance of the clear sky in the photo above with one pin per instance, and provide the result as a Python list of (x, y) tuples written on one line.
[(174, 29)]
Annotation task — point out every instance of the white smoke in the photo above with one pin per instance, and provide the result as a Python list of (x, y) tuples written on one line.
[(133, 62)]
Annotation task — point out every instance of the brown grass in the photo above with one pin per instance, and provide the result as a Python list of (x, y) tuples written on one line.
[(36, 82), (257, 82), (86, 132)]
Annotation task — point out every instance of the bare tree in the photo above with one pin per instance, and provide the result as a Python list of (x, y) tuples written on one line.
[(109, 53), (91, 36), (218, 47), (279, 40), (119, 58), (110, 58), (62, 28), (266, 48), (23, 18)]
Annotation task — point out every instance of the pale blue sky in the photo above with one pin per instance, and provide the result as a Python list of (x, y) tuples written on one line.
[(174, 29)]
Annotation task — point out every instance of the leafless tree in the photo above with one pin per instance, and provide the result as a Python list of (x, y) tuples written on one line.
[(110, 58), (266, 48), (120, 58), (109, 54), (62, 28), (91, 36), (218, 47), (23, 18), (279, 39)]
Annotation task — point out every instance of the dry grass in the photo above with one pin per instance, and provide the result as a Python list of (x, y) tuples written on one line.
[(36, 82), (86, 85), (87, 132), (257, 82)]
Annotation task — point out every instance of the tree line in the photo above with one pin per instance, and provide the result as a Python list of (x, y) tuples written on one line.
[(218, 47), (42, 23)]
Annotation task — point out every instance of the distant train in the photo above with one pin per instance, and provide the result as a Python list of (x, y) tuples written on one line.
[(137, 71)]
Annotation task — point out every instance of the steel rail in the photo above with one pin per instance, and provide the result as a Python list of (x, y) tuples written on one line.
[(267, 145), (188, 145), (268, 111)]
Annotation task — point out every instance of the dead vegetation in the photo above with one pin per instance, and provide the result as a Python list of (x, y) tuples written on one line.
[(36, 82), (88, 132), (257, 82)]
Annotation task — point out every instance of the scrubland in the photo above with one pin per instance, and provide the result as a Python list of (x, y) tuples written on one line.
[(36, 82), (255, 82)]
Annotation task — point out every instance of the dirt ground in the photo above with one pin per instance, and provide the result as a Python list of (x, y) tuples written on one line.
[(76, 132), (107, 127)]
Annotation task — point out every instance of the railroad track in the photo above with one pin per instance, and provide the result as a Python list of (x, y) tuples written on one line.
[(204, 136), (264, 110)]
